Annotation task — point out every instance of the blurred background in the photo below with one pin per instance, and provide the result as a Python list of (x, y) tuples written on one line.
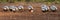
[(36, 1)]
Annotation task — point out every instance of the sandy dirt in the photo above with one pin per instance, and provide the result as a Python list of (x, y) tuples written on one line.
[(26, 15)]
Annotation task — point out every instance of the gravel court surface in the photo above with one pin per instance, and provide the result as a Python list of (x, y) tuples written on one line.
[(26, 15)]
